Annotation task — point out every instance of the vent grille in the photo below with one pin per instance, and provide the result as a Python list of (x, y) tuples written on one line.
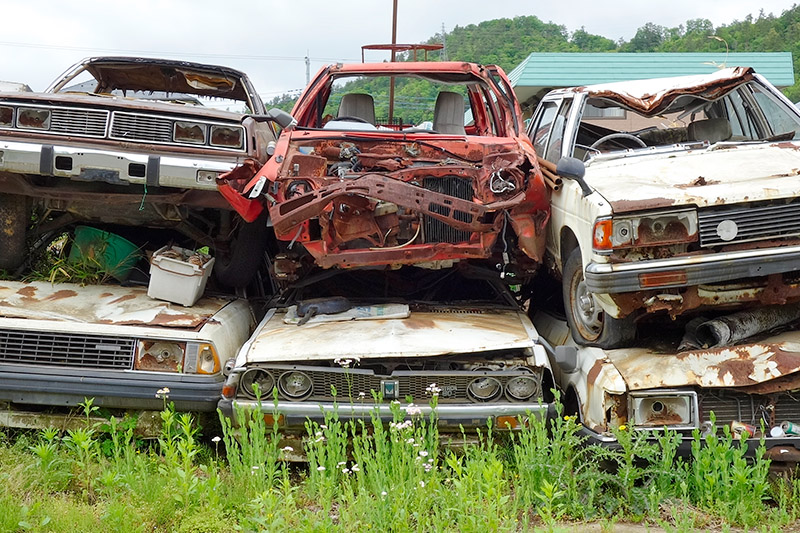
[(64, 349), (436, 230), (135, 127), (753, 222), (748, 408), (78, 122)]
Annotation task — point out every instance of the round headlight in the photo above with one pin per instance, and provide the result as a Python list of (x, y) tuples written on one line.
[(259, 377), (483, 389), (294, 385), (522, 387)]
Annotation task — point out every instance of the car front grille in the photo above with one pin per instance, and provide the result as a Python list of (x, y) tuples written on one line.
[(65, 349), (729, 406), (359, 385), (436, 230), (752, 222), (136, 127), (84, 122)]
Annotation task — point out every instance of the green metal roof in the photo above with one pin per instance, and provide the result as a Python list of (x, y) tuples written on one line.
[(540, 72)]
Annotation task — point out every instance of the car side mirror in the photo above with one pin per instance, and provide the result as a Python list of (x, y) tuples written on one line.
[(279, 116), (566, 357), (573, 168)]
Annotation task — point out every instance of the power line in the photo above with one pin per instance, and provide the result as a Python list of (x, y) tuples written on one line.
[(181, 54)]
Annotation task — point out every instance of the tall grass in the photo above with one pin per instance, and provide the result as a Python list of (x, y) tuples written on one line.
[(374, 475)]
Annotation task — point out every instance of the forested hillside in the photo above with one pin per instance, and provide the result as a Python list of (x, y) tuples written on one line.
[(506, 42)]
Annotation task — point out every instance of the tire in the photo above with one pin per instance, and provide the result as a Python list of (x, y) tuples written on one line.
[(589, 324), (246, 255), (14, 218)]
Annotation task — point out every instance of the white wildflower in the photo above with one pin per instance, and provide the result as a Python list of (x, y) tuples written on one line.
[(323, 426), (412, 410), (433, 389), (423, 453), (216, 439), (255, 467), (384, 493), (345, 470), (321, 468), (287, 449), (341, 463), (162, 393), (422, 484), (410, 441), (428, 467), (355, 467), (344, 363), (362, 395)]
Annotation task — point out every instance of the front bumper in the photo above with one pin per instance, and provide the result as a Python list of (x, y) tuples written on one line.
[(612, 278), (450, 417), (116, 167), (67, 387)]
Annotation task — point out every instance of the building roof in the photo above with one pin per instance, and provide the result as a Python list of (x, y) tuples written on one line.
[(540, 72)]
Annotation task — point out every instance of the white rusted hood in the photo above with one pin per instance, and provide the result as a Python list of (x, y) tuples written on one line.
[(100, 304), (422, 334), (767, 366), (721, 174)]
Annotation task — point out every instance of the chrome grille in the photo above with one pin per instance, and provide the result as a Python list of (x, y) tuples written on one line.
[(731, 406), (65, 349), (86, 122), (753, 222), (436, 230), (136, 127), (350, 384)]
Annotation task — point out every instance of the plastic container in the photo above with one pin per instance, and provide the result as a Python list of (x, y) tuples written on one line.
[(178, 275), (112, 253)]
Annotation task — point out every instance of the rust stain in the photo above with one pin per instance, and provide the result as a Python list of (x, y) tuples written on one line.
[(123, 299), (699, 182), (591, 378), (785, 361), (620, 206), (739, 369), (60, 295), (106, 295), (27, 292)]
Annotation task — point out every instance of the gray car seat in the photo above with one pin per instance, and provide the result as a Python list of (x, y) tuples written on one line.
[(448, 114)]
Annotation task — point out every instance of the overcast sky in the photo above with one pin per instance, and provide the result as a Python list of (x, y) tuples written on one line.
[(269, 39)]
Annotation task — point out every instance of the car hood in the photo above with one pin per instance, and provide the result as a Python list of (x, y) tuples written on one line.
[(421, 334), (771, 365), (101, 101), (100, 304), (720, 174)]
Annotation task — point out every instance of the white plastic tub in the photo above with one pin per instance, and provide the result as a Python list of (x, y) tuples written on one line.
[(178, 275)]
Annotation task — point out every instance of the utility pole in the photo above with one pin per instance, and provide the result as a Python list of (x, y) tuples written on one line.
[(394, 41), (308, 69), (444, 44)]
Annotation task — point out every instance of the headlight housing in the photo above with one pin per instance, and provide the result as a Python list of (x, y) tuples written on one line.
[(227, 136), (645, 230), (6, 116), (33, 118), (658, 409), (190, 132), (176, 356), (295, 385), (257, 376)]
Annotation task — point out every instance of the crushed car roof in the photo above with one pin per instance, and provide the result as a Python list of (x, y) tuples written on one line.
[(150, 74), (654, 96)]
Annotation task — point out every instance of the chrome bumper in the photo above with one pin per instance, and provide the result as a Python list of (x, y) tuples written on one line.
[(448, 416), (111, 166), (612, 278)]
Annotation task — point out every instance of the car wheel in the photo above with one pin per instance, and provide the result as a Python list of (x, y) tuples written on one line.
[(239, 266), (14, 218), (590, 325)]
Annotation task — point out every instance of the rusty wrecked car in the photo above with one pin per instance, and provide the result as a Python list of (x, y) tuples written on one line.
[(671, 197), (355, 182), (353, 342), (136, 142), (669, 380), (63, 344)]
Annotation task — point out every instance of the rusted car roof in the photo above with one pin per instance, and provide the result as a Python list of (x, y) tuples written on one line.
[(100, 304), (652, 97)]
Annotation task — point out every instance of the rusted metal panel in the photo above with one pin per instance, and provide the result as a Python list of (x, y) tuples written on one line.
[(422, 334), (762, 366), (100, 304)]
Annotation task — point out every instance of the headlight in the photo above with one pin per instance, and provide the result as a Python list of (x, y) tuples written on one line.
[(655, 410), (190, 132), (227, 137), (294, 385), (6, 116), (257, 376), (522, 388), (649, 229), (484, 389), (159, 356), (30, 118)]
